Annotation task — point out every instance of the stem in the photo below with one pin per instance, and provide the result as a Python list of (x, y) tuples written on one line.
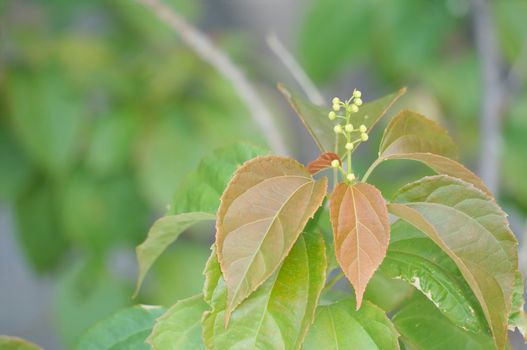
[(371, 168)]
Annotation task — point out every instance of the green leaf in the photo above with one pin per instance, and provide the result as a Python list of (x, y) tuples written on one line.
[(163, 233), (422, 326), (321, 128), (469, 226), (203, 187), (278, 314), (339, 326), (263, 211), (518, 317), (179, 328), (416, 259), (126, 329), (414, 137), (14, 343)]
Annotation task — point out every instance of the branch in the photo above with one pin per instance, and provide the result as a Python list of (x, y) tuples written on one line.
[(222, 63), (296, 70), (492, 102)]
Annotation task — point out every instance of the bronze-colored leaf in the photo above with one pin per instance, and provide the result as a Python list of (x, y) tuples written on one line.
[(411, 132), (262, 212), (322, 162), (361, 232)]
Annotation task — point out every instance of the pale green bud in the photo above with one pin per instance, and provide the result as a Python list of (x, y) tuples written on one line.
[(332, 115), (337, 129), (363, 128), (335, 163), (349, 146), (350, 177), (357, 102), (357, 94), (354, 108), (335, 100), (336, 107), (348, 127), (364, 137)]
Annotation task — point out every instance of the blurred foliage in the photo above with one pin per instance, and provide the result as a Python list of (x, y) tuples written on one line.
[(429, 46), (103, 111)]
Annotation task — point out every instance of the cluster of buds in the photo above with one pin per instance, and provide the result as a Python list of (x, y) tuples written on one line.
[(349, 107)]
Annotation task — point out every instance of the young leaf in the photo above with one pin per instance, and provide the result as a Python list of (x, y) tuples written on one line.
[(411, 132), (322, 162), (414, 137), (202, 188), (278, 314), (126, 329), (416, 259), (320, 127), (423, 327), (469, 226), (262, 212), (164, 232), (14, 343), (361, 232), (339, 326), (518, 317), (179, 328)]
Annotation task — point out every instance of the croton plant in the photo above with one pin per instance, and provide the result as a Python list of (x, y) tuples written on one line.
[(434, 267)]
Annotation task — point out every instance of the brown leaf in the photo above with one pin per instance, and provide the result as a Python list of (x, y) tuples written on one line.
[(361, 231), (262, 212), (322, 162)]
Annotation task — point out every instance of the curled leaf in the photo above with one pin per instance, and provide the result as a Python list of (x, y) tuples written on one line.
[(262, 212), (361, 232), (322, 162)]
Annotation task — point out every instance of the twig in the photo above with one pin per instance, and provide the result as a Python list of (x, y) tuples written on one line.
[(493, 93), (201, 44), (295, 69)]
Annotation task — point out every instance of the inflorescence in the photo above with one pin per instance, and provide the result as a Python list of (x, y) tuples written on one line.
[(353, 135)]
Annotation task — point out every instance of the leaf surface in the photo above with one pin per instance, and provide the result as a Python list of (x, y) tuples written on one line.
[(263, 211), (416, 259), (278, 314), (322, 162), (424, 327), (412, 136), (179, 328), (361, 232), (126, 329), (518, 317), (339, 326), (320, 127), (164, 232), (202, 189), (14, 343), (469, 226)]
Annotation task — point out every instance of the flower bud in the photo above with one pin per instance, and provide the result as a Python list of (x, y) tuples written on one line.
[(364, 137), (350, 177), (357, 94), (335, 163), (357, 102), (332, 115), (336, 107), (348, 127), (335, 100), (337, 129), (353, 108), (349, 146), (363, 128)]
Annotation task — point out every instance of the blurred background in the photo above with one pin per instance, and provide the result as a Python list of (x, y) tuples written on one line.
[(104, 110)]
